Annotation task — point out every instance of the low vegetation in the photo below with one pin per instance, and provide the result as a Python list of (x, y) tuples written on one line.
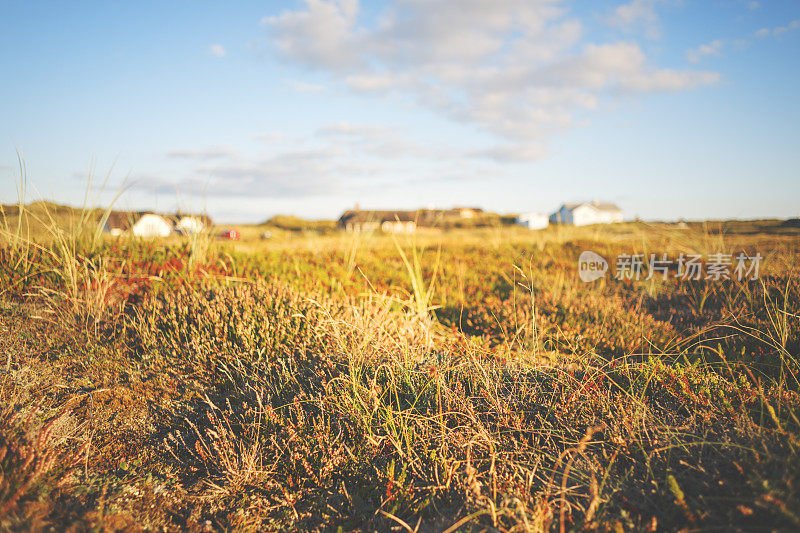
[(461, 381)]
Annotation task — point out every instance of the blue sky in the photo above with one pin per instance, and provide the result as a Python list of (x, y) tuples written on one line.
[(670, 108)]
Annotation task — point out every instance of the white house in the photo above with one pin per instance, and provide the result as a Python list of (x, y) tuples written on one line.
[(386, 221), (120, 222), (152, 225), (585, 213), (533, 220), (191, 224), (144, 224), (398, 226)]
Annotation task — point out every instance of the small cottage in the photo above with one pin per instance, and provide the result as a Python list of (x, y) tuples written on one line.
[(192, 224), (140, 224), (386, 221), (533, 220), (585, 213), (152, 225), (404, 221)]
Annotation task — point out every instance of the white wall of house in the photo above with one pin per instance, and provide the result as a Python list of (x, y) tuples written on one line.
[(396, 226), (359, 227), (601, 216), (533, 220), (190, 225), (116, 232), (586, 214), (609, 217), (151, 225)]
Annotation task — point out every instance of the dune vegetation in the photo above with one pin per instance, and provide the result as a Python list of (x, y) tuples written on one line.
[(458, 380)]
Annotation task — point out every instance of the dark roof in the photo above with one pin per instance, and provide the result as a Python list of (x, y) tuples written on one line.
[(423, 217), (205, 219), (123, 219), (377, 216), (597, 205)]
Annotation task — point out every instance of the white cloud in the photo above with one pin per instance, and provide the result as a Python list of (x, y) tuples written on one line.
[(382, 142), (350, 130), (714, 48), (669, 80), (637, 14), (286, 174), (513, 153), (778, 30), (328, 30), (217, 50), (317, 165), (203, 154), (517, 69), (272, 137), (374, 82), (304, 87)]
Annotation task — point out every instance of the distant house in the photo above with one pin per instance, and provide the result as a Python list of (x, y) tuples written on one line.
[(387, 221), (152, 225), (118, 223), (140, 224), (192, 224), (230, 234), (403, 221), (585, 213), (398, 226), (533, 220), (463, 212), (147, 224)]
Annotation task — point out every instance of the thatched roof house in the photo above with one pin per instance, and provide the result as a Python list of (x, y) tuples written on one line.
[(394, 221), (148, 224)]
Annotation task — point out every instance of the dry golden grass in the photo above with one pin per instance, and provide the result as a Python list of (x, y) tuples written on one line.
[(465, 381)]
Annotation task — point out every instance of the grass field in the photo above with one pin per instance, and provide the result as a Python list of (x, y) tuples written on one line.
[(463, 380)]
